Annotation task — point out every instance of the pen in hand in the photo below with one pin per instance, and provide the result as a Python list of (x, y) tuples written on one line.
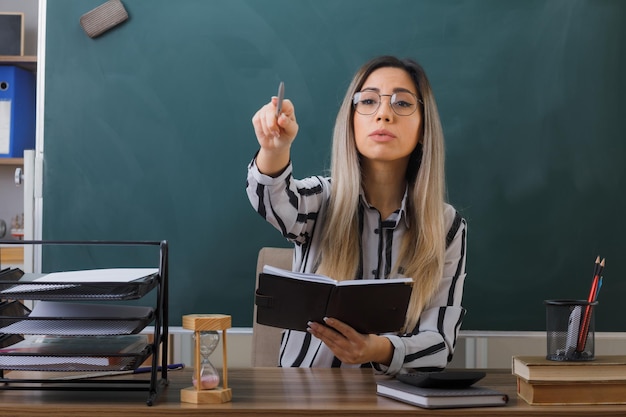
[(281, 96)]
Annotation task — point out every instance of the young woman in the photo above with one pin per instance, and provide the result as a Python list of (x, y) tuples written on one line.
[(381, 214)]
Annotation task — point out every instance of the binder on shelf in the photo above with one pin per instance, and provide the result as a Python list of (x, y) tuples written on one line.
[(17, 111)]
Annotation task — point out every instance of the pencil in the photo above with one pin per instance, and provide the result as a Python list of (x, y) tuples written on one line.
[(584, 325), (599, 286), (596, 266)]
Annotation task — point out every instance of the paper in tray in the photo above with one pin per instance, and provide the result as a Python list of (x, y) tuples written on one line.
[(125, 362), (109, 284)]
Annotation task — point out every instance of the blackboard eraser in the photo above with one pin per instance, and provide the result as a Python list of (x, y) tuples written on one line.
[(103, 18)]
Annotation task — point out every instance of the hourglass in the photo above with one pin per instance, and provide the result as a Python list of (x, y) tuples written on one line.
[(205, 377)]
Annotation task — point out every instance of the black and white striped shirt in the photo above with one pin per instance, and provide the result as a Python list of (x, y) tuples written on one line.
[(296, 207)]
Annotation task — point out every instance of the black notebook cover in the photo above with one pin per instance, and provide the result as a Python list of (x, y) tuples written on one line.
[(368, 307)]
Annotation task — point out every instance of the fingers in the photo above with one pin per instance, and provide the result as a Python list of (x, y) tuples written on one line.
[(287, 119), (264, 121), (275, 131), (340, 326), (347, 344), (329, 336), (335, 332)]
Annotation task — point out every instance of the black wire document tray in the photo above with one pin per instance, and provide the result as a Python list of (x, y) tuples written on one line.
[(69, 318), (54, 287), (84, 321)]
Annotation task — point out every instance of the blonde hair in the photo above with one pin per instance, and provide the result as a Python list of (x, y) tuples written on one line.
[(422, 252)]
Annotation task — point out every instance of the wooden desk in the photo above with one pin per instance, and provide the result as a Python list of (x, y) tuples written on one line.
[(275, 392)]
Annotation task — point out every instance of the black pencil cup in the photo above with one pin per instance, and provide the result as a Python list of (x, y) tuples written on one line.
[(570, 330)]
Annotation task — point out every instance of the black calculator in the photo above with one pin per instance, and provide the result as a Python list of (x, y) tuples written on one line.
[(444, 379)]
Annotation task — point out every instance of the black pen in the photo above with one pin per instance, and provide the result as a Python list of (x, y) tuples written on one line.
[(281, 96), (171, 367)]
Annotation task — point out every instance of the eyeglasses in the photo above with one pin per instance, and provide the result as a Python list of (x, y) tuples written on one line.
[(402, 103)]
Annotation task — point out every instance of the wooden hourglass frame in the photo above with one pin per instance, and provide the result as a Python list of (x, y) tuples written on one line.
[(195, 394)]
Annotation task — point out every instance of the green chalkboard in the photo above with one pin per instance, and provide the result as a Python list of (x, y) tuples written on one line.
[(147, 136)]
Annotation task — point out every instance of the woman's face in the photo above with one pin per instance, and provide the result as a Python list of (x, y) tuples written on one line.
[(384, 135)]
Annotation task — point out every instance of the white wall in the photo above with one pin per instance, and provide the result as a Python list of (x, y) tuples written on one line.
[(11, 202), (475, 349)]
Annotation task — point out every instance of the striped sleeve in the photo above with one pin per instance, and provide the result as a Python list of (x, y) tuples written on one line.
[(291, 206), (431, 345)]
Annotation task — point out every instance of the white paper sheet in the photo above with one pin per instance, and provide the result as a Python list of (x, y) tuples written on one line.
[(5, 126), (82, 276), (99, 275)]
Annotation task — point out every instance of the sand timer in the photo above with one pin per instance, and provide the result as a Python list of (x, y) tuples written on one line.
[(206, 338), (209, 378)]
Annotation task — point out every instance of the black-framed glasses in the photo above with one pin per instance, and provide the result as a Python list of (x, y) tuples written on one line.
[(403, 103)]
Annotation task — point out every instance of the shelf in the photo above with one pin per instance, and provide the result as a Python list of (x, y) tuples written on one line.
[(28, 62), (12, 161)]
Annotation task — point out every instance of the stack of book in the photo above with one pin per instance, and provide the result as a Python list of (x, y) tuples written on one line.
[(440, 390), (599, 381)]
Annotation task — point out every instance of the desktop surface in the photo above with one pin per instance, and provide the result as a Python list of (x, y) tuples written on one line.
[(272, 392)]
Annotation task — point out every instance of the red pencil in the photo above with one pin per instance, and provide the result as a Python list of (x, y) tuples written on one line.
[(584, 326)]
